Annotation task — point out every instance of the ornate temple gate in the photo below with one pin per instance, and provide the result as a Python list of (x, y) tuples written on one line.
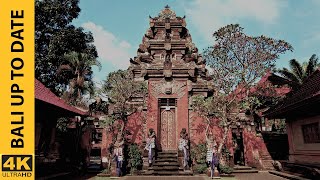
[(168, 124), (169, 62)]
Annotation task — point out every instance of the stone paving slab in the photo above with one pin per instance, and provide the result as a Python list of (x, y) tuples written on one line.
[(286, 175), (261, 175)]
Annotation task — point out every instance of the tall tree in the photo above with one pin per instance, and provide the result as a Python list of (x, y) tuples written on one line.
[(120, 88), (298, 73), (54, 36), (237, 61), (77, 68)]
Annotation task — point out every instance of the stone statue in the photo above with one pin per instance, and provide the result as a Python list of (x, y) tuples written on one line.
[(167, 66), (151, 146), (168, 58), (184, 146), (118, 153), (149, 34)]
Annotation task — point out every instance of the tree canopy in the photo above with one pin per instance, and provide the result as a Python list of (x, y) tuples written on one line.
[(237, 61), (298, 73), (77, 68), (120, 88), (55, 37)]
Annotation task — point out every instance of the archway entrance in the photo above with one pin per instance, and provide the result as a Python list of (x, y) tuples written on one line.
[(237, 139)]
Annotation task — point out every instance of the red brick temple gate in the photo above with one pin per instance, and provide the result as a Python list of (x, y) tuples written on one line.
[(169, 62)]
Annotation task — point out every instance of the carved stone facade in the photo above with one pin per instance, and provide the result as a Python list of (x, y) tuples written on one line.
[(169, 61)]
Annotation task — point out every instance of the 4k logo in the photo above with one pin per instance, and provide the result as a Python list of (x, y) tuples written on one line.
[(16, 162)]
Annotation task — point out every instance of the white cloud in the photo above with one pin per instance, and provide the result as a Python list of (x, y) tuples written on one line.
[(125, 44), (209, 15), (110, 48)]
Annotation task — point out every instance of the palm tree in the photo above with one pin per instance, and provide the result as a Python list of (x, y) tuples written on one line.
[(298, 73), (77, 68)]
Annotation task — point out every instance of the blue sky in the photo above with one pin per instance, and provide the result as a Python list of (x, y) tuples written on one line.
[(118, 26)]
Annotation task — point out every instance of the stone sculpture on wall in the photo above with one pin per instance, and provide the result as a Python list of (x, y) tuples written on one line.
[(159, 88)]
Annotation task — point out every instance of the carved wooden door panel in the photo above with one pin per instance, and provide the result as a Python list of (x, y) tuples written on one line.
[(168, 130)]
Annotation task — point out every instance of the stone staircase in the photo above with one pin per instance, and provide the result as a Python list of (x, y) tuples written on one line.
[(95, 165), (266, 161), (244, 169), (167, 164)]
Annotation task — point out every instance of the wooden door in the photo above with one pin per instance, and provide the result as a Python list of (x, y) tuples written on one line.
[(168, 129)]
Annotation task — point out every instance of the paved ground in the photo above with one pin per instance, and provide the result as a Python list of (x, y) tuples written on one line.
[(262, 175), (165, 178), (160, 178)]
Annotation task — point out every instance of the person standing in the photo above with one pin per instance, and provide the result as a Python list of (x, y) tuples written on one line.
[(118, 153), (212, 157), (150, 146), (184, 146)]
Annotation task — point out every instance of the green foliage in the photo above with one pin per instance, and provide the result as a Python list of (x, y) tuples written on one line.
[(298, 73), (200, 168), (78, 69), (120, 88), (135, 157), (237, 58), (225, 169), (107, 121), (199, 153), (55, 37), (226, 153)]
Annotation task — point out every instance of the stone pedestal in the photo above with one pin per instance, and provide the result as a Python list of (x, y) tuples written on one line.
[(145, 163), (113, 169), (180, 159)]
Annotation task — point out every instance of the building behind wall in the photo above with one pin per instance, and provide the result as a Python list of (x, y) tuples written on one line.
[(302, 114)]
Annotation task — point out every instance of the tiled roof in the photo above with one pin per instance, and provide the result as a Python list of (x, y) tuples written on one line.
[(44, 94), (309, 90)]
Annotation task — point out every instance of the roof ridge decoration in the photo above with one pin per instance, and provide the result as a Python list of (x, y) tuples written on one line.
[(167, 13)]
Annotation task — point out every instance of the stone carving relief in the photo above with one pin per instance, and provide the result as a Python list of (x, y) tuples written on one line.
[(162, 56), (173, 56), (167, 66), (149, 34), (162, 87)]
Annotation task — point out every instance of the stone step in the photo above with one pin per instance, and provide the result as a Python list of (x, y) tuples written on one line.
[(242, 168), (166, 164), (245, 171), (173, 173), (167, 156), (148, 173), (167, 168), (167, 160), (167, 152), (268, 164), (186, 173)]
